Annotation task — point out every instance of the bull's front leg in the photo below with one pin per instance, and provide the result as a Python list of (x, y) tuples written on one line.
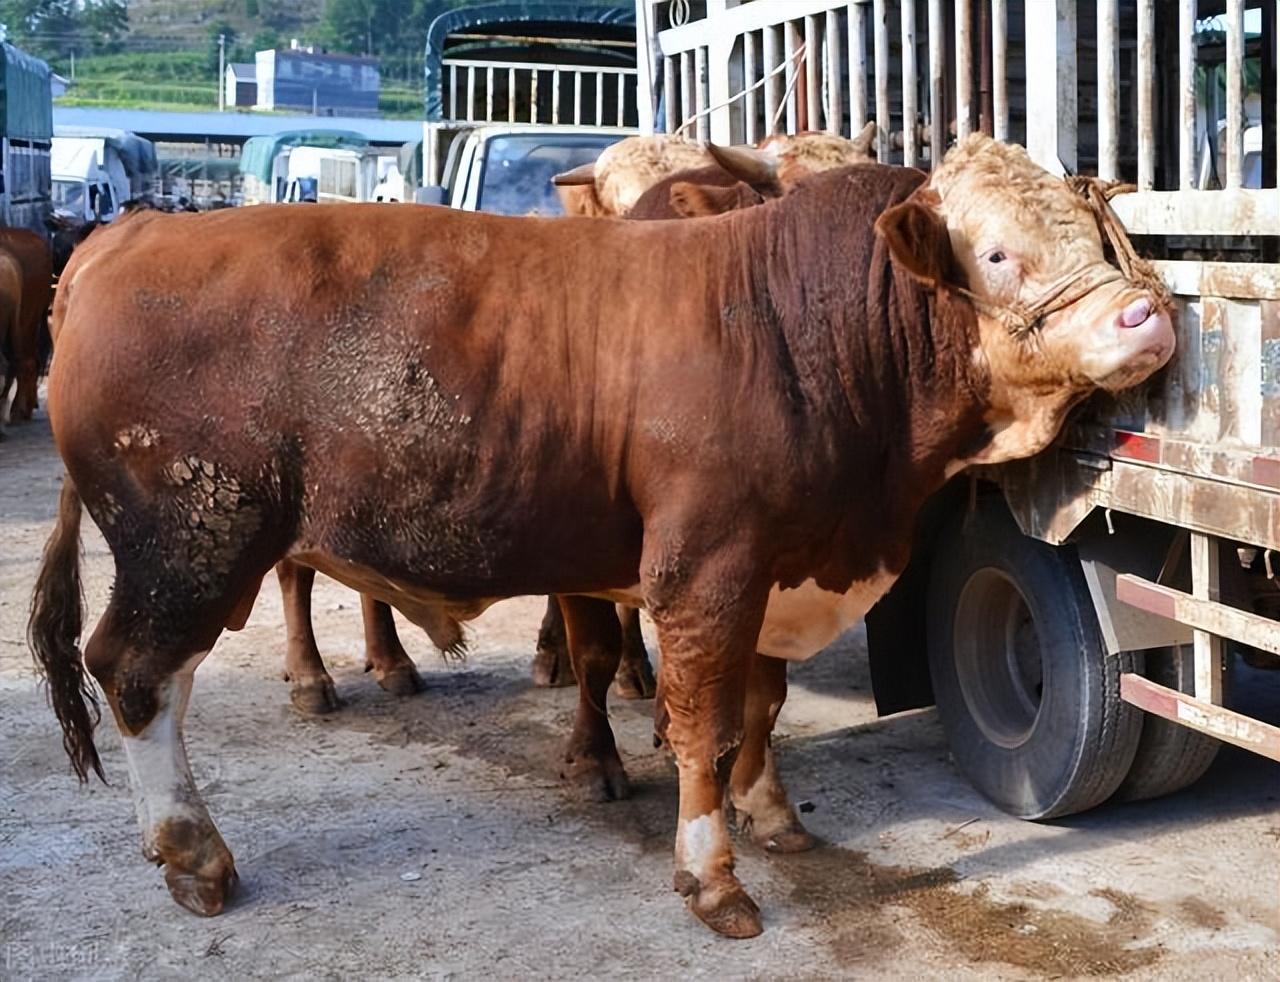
[(763, 809), (708, 621)]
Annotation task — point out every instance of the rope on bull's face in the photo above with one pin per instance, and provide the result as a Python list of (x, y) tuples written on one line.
[(1023, 320)]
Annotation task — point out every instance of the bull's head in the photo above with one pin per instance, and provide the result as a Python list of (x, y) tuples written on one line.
[(1056, 320)]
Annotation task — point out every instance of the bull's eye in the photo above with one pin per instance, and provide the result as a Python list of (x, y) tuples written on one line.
[(996, 257)]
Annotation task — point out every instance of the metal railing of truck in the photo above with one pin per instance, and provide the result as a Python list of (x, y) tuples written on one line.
[(479, 91)]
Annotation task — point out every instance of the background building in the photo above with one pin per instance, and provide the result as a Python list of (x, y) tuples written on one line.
[(241, 85), (303, 80)]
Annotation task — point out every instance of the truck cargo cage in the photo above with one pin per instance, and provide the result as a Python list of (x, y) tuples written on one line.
[(1177, 97), (527, 63)]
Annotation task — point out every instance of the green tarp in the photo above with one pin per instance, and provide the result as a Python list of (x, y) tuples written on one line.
[(26, 97), (260, 151)]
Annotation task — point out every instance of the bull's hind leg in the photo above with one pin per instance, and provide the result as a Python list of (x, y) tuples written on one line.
[(384, 654), (552, 667), (147, 687), (311, 688), (759, 799), (708, 621), (635, 675), (595, 645)]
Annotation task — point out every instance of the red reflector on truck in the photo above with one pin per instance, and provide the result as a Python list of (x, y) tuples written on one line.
[(1137, 446), (1266, 470)]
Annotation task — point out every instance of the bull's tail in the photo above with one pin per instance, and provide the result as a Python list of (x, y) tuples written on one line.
[(53, 631)]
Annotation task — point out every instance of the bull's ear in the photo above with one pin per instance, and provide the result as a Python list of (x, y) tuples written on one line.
[(584, 174), (699, 200), (758, 168), (917, 237), (581, 200)]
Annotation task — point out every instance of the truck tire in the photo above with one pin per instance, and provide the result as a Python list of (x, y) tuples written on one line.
[(1169, 757), (1027, 694)]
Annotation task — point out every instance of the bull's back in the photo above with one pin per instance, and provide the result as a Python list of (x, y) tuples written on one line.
[(434, 375)]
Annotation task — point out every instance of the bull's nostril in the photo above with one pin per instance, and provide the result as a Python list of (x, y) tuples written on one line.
[(1136, 313)]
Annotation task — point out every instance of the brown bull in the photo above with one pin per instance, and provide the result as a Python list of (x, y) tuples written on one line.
[(32, 255), (745, 421)]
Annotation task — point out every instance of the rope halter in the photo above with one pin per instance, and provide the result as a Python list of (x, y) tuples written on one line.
[(1024, 319)]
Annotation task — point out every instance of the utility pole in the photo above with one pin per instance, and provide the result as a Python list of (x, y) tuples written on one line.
[(222, 72)]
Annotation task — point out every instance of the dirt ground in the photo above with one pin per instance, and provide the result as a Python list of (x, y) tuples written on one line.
[(432, 836)]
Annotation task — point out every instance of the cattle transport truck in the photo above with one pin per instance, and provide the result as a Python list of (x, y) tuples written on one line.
[(26, 136), (1073, 616), (519, 92)]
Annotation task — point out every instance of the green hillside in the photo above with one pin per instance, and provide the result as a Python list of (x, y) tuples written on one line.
[(163, 54)]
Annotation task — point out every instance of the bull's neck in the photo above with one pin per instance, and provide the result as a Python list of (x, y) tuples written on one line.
[(876, 356)]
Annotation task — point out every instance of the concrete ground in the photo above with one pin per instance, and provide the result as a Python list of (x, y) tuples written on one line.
[(432, 837)]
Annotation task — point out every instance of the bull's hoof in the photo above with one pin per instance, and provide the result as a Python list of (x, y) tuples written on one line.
[(199, 870), (315, 697), (796, 839), (203, 895), (552, 668), (597, 779), (635, 680), (403, 680), (786, 836), (725, 908)]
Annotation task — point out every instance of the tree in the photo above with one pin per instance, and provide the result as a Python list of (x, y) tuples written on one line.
[(364, 26), (251, 9), (105, 22), (56, 28), (265, 39)]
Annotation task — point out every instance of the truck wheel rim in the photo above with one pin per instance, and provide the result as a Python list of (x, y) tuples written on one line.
[(998, 658)]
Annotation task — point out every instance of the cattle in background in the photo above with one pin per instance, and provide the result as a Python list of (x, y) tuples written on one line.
[(473, 407), (15, 347), (732, 177), (32, 255)]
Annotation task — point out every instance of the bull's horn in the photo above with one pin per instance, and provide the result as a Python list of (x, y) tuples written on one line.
[(863, 142), (747, 164), (583, 174)]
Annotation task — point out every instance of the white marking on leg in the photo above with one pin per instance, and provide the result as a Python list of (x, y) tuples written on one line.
[(700, 842), (160, 776)]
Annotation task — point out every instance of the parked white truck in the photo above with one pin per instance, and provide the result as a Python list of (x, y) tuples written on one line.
[(329, 174), (94, 175)]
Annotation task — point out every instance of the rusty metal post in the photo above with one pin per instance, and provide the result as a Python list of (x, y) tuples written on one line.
[(1208, 647), (910, 88), (835, 55), (1235, 93), (880, 28), (1000, 67), (986, 109), (964, 67), (858, 67), (937, 83), (1187, 94), (1108, 54), (1146, 72)]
